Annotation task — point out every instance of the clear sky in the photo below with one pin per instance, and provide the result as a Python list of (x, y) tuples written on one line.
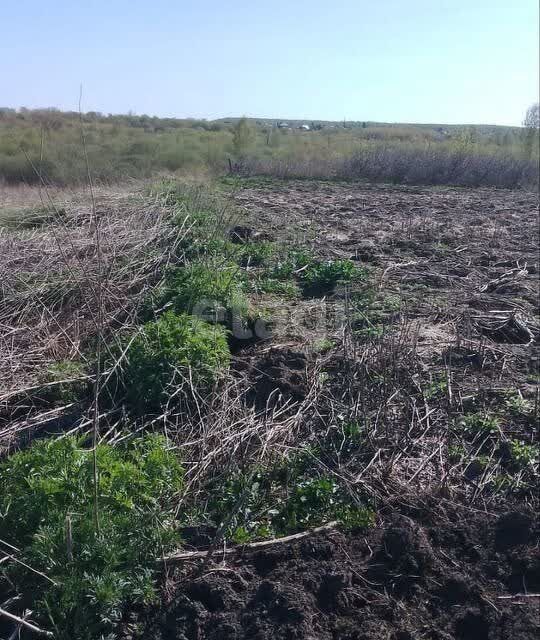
[(443, 61)]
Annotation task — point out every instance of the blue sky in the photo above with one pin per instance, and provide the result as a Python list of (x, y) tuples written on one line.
[(459, 61)]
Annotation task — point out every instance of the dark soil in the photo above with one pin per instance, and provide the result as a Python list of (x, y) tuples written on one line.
[(276, 376), (437, 572)]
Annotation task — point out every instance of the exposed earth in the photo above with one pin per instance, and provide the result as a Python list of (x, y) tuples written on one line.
[(449, 556)]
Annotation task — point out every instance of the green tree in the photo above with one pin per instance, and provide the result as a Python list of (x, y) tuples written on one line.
[(243, 137), (531, 125)]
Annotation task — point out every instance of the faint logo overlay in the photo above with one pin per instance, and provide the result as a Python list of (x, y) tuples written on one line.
[(320, 317)]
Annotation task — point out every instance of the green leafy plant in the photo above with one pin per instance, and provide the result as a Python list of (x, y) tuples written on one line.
[(282, 499), (291, 264), (256, 254), (324, 276), (524, 455), (520, 407), (456, 453), (313, 275), (47, 511), (174, 344), (315, 500), (478, 424), (437, 387), (214, 292), (369, 331), (324, 345)]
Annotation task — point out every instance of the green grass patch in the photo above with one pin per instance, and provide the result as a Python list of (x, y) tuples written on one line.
[(372, 312), (284, 288)]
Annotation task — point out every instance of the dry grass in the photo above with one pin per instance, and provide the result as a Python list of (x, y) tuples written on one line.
[(49, 278)]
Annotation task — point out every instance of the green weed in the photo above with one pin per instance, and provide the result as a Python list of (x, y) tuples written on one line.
[(323, 345), (291, 263), (524, 455), (214, 292), (256, 254), (320, 277), (313, 276), (520, 407), (436, 388), (478, 424), (371, 313), (174, 345), (47, 511), (284, 499), (456, 453), (285, 288)]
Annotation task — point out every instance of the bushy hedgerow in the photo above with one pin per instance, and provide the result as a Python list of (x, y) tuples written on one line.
[(47, 512), (166, 349)]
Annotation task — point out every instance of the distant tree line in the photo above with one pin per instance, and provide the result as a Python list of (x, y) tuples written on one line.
[(136, 146)]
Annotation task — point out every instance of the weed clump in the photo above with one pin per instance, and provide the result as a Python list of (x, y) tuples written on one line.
[(321, 277), (285, 288), (314, 276), (524, 456), (171, 347), (212, 292), (256, 254), (292, 264), (479, 424), (280, 499), (47, 511)]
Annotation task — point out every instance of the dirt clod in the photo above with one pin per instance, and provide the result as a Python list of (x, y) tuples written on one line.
[(512, 529)]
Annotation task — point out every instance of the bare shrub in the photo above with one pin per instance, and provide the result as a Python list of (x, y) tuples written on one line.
[(434, 164)]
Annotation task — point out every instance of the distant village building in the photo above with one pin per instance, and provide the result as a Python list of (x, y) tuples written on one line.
[(304, 127), (283, 125)]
